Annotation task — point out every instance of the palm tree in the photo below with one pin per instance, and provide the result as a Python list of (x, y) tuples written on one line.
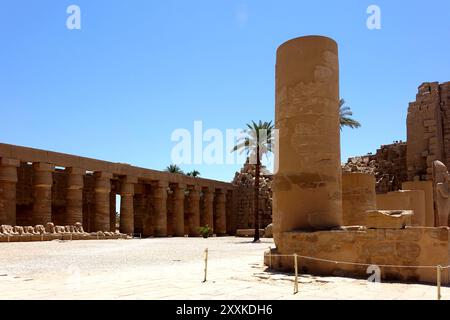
[(345, 114), (173, 168), (193, 173), (258, 140)]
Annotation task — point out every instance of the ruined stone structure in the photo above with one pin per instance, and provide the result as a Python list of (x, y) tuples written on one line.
[(309, 194), (428, 139), (388, 165), (39, 186), (428, 130), (244, 182)]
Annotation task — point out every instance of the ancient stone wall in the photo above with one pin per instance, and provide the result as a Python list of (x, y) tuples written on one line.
[(428, 130), (388, 165), (244, 182)]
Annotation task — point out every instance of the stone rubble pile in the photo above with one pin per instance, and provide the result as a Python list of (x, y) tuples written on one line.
[(51, 232), (388, 166)]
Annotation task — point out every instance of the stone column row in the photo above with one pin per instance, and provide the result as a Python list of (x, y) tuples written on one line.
[(185, 219), (8, 182)]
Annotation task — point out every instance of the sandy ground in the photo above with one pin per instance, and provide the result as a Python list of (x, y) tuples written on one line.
[(171, 268)]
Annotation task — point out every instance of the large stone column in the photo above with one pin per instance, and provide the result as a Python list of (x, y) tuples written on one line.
[(194, 210), (208, 208), (231, 208), (74, 196), (159, 198), (178, 208), (307, 183), (42, 193), (102, 190), (127, 204), (8, 184), (220, 220)]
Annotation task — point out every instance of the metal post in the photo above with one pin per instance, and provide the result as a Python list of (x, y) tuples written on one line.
[(206, 263), (270, 257), (438, 282), (296, 274)]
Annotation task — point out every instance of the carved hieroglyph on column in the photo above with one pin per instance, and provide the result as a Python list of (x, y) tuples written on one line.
[(307, 185), (127, 204), (208, 209), (441, 179), (102, 200), (178, 209), (8, 183), (74, 196), (42, 193), (159, 198), (220, 221)]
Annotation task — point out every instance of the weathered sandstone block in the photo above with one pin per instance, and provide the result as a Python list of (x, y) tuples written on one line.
[(388, 219)]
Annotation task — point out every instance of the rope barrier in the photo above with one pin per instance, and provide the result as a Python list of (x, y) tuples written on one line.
[(353, 263), (206, 264)]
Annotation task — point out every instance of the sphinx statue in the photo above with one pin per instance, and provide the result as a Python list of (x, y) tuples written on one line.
[(441, 181)]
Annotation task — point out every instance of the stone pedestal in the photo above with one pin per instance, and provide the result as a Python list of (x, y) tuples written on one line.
[(42, 193), (405, 200), (8, 183), (358, 196), (102, 201), (220, 225), (194, 210), (159, 198), (307, 183), (412, 246), (208, 209), (127, 205), (178, 209), (427, 188), (74, 196)]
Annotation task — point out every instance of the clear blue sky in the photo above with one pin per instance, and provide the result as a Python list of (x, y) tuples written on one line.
[(137, 70)]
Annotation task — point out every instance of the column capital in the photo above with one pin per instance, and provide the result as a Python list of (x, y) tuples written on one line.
[(102, 175), (42, 166), (75, 178), (207, 189), (160, 190), (178, 186), (7, 162), (102, 181), (8, 172), (129, 179), (127, 188), (220, 195), (160, 184), (179, 191), (208, 194), (195, 188), (75, 171)]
